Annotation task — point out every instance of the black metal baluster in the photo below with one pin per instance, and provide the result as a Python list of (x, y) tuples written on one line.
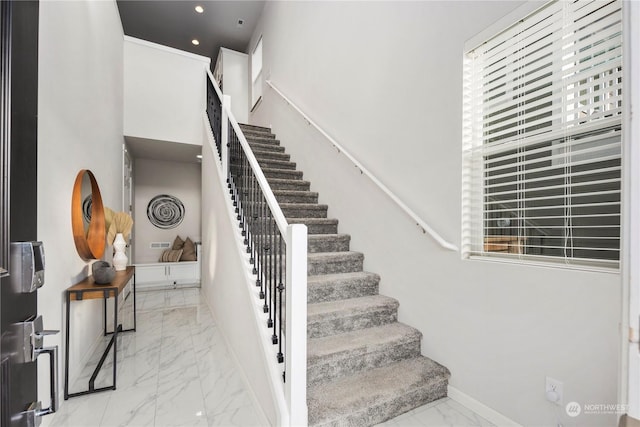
[(254, 222), (214, 111), (249, 216), (272, 267), (240, 181), (280, 293), (267, 254), (259, 251), (245, 197), (276, 261)]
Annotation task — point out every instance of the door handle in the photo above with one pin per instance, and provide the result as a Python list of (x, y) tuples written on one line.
[(53, 379)]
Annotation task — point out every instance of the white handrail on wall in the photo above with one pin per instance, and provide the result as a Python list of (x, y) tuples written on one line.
[(419, 222), (295, 389)]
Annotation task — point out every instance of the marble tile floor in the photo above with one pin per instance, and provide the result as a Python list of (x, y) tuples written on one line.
[(175, 370), (441, 413)]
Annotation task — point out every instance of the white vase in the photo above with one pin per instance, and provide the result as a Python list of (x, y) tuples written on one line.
[(120, 258)]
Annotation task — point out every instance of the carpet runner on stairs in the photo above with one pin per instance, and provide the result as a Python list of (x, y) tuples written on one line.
[(363, 366)]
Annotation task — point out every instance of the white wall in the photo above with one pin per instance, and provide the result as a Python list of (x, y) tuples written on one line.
[(154, 177), (164, 92), (385, 79), (224, 282), (79, 127)]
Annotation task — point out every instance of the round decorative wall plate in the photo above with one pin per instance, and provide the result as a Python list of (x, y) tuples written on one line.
[(165, 211)]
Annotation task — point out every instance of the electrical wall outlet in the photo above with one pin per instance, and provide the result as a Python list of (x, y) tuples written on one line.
[(553, 389)]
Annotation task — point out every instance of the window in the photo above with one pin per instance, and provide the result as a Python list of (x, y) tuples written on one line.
[(542, 138), (256, 74)]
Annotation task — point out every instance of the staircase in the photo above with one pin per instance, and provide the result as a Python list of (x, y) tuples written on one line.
[(363, 367)]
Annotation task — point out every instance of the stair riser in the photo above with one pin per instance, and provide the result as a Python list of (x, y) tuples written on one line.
[(390, 409), (341, 290), (294, 185), (322, 228), (255, 146), (312, 229), (335, 366), (261, 133), (254, 128), (317, 328), (263, 140), (297, 198), (317, 211), (328, 244), (276, 164), (347, 265), (272, 155), (282, 174)]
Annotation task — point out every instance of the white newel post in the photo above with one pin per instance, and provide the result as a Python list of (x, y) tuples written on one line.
[(296, 325), (224, 132)]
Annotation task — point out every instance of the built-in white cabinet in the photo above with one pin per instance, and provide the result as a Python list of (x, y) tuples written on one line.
[(167, 274), (232, 74)]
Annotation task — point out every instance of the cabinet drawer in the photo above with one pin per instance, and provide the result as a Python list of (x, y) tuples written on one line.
[(150, 274)]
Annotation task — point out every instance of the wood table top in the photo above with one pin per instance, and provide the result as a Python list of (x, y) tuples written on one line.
[(91, 290)]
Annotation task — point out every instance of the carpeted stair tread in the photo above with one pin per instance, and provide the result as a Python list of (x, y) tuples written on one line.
[(304, 210), (263, 140), (271, 155), (359, 340), (336, 317), (335, 309), (281, 173), (257, 132), (276, 164), (376, 395), (334, 262), (265, 147), (328, 242), (344, 354), (289, 184), (254, 128), (317, 225), (332, 287), (296, 196)]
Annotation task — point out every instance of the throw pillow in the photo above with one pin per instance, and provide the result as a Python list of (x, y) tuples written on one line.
[(189, 251), (178, 243), (171, 255)]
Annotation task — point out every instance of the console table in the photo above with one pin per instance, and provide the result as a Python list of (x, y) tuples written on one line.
[(88, 289)]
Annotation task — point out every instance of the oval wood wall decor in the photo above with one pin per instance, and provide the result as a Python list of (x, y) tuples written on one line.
[(90, 245)]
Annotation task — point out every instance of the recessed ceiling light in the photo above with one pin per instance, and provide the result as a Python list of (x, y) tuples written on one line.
[(198, 156), (195, 42), (199, 9), (240, 23)]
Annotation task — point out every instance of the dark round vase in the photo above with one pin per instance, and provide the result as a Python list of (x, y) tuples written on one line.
[(102, 272)]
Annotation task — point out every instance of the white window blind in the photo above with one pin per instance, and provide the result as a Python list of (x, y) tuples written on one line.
[(256, 73), (542, 137)]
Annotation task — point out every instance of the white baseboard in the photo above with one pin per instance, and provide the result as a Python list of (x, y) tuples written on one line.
[(481, 409)]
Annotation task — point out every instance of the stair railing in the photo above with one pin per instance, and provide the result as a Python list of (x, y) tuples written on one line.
[(419, 221), (277, 251)]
